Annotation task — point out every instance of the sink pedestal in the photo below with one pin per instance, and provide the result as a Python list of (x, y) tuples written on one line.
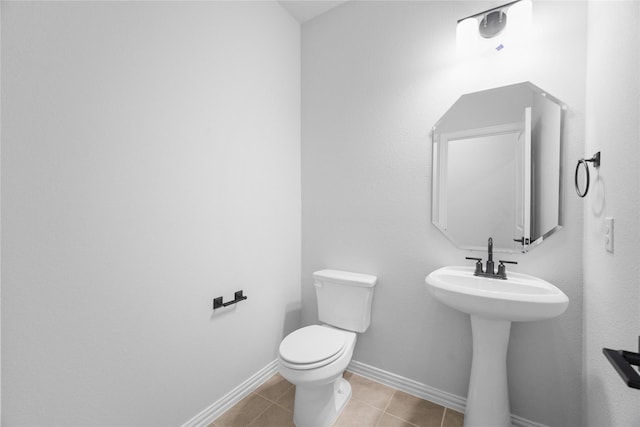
[(493, 305), (488, 397)]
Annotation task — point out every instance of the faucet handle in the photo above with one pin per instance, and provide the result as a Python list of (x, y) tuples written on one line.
[(478, 265), (502, 271)]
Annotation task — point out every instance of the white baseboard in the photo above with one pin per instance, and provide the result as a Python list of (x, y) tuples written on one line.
[(219, 407), (407, 385), (423, 391)]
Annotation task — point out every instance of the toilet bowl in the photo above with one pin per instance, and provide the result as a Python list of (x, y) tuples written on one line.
[(315, 357), (306, 361)]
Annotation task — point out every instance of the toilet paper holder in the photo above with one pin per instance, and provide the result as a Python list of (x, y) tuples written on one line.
[(622, 361), (238, 296)]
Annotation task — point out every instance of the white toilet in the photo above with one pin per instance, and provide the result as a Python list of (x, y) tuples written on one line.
[(315, 357)]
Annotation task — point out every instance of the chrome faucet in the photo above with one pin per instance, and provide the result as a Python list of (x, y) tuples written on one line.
[(490, 269)]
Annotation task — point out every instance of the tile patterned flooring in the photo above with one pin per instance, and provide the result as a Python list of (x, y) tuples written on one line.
[(372, 405)]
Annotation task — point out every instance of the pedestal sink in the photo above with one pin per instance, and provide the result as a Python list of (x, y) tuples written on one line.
[(493, 304)]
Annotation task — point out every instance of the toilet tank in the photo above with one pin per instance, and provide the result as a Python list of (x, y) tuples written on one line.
[(344, 298)]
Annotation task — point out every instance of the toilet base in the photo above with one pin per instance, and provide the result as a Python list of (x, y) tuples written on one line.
[(320, 406)]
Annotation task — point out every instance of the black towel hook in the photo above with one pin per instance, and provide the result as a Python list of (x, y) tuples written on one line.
[(596, 163)]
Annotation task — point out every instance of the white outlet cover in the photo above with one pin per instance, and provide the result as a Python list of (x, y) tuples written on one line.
[(608, 233)]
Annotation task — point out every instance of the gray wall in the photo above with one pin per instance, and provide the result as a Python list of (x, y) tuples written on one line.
[(376, 76), (150, 162), (611, 285)]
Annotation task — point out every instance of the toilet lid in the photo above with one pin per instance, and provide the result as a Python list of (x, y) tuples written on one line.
[(311, 344)]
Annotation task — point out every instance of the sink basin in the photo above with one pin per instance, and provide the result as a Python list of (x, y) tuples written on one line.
[(493, 304), (518, 298)]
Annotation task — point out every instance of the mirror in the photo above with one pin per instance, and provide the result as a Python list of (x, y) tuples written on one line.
[(496, 168)]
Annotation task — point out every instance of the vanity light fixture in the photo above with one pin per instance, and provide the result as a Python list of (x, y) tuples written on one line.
[(495, 29)]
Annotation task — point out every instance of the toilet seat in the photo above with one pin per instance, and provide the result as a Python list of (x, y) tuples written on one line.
[(312, 347)]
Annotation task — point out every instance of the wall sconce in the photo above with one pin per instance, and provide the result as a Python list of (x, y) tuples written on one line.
[(502, 27)]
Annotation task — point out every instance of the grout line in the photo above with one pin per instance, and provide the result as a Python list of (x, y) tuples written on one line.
[(411, 394), (384, 411), (283, 408), (275, 400), (262, 412), (367, 404), (402, 419), (280, 398), (253, 393), (389, 402), (370, 406)]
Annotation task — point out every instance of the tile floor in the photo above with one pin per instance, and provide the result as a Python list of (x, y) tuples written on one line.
[(372, 405)]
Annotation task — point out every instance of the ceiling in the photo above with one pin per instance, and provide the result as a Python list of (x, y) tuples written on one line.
[(305, 10)]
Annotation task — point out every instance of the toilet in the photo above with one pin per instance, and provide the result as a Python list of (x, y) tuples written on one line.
[(315, 357)]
